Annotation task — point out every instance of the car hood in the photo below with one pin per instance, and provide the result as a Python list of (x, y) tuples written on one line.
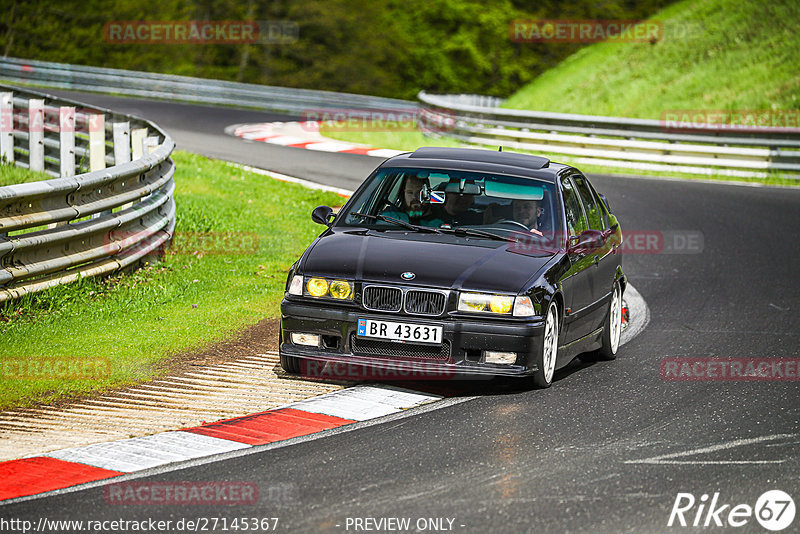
[(442, 261)]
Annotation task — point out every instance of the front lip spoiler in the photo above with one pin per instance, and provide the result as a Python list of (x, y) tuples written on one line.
[(376, 368)]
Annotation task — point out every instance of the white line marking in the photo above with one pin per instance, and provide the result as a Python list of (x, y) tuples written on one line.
[(711, 462), (286, 140), (778, 307), (257, 135), (292, 179), (331, 146), (668, 458), (385, 152)]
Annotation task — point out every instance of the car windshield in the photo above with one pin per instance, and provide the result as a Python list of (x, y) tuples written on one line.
[(456, 202)]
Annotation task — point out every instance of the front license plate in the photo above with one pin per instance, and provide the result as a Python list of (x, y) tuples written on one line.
[(416, 333)]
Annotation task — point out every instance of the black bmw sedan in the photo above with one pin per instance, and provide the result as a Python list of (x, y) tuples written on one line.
[(455, 263)]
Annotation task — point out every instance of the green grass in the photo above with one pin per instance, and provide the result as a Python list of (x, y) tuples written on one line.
[(129, 325), (10, 175), (736, 55)]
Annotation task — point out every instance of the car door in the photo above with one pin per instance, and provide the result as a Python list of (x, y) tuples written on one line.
[(578, 281), (605, 260)]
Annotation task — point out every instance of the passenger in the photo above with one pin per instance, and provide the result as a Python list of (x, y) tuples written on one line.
[(412, 209)]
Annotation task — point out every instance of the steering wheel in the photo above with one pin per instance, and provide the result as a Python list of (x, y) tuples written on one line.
[(515, 223)]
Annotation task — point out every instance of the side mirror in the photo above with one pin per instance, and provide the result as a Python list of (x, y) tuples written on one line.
[(610, 231), (322, 215), (586, 242)]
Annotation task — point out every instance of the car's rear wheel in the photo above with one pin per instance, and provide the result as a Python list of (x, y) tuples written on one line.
[(612, 329), (546, 366)]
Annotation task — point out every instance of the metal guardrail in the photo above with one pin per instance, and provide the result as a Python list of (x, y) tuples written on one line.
[(638, 144), (188, 89), (110, 207)]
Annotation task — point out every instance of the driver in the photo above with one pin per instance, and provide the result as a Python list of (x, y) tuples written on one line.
[(524, 212), (527, 212)]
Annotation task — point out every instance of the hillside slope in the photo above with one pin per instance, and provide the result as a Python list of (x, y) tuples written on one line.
[(715, 55)]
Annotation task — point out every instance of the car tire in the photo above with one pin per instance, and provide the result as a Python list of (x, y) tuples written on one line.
[(290, 364), (546, 364), (612, 328)]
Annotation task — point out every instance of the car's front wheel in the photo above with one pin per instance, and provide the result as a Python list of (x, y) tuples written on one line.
[(546, 365), (612, 329), (290, 364)]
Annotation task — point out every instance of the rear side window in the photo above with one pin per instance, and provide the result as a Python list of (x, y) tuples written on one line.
[(596, 215), (576, 220)]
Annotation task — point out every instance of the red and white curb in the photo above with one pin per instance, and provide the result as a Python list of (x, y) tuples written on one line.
[(303, 134), (70, 467)]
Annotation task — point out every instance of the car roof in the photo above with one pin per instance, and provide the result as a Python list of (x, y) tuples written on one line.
[(471, 159)]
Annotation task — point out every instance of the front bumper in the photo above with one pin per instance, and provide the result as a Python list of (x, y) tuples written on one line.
[(466, 338)]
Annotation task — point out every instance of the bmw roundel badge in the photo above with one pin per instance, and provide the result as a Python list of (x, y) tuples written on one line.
[(408, 275)]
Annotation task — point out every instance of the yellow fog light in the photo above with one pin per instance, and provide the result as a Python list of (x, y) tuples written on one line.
[(473, 306), (317, 287), (340, 289), (501, 304), (472, 302)]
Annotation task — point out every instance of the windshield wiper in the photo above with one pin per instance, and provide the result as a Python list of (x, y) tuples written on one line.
[(477, 233), (398, 222)]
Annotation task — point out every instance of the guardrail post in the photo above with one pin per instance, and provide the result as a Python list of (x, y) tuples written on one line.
[(97, 142), (7, 127), (97, 146), (36, 134), (150, 144), (66, 121), (66, 137), (122, 147), (138, 135), (122, 142)]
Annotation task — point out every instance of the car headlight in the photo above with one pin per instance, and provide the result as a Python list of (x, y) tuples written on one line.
[(322, 287), (486, 303), (317, 287), (339, 289), (521, 306)]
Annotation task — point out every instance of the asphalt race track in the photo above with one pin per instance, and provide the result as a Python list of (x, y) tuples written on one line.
[(608, 447), (200, 129)]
